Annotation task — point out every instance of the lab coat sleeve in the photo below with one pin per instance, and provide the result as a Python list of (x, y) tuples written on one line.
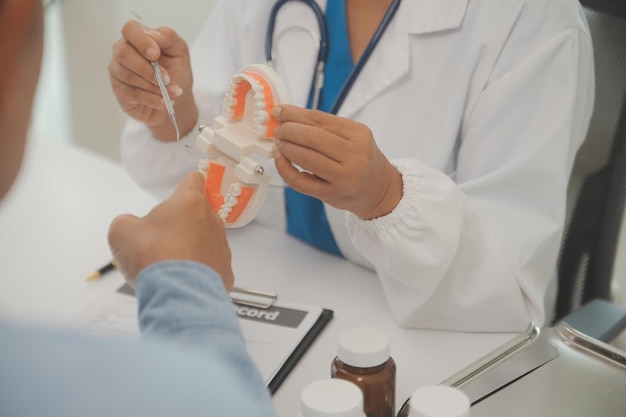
[(217, 53), (477, 252)]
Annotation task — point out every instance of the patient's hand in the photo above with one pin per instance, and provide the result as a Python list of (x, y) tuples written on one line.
[(183, 227)]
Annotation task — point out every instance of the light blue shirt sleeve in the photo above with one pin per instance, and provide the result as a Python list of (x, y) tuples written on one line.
[(192, 360)]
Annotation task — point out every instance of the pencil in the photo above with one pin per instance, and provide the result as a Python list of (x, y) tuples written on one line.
[(99, 272)]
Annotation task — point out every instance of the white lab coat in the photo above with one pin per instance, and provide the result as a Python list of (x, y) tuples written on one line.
[(480, 104)]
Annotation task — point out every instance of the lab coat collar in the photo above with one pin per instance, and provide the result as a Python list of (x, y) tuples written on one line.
[(392, 54), (427, 16)]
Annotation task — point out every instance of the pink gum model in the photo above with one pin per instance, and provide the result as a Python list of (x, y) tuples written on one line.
[(236, 183)]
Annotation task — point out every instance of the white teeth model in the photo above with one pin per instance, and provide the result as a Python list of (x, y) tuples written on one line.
[(230, 200), (235, 181), (261, 114), (260, 130), (203, 166)]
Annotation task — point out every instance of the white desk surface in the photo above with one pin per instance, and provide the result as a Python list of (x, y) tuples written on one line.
[(53, 233)]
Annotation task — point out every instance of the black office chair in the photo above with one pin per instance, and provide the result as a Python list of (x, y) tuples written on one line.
[(598, 183)]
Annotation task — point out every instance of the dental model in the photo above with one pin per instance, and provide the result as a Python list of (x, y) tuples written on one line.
[(235, 182)]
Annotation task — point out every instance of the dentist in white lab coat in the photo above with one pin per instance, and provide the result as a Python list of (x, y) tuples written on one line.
[(464, 123)]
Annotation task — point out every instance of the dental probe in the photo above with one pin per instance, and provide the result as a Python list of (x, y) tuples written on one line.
[(159, 78)]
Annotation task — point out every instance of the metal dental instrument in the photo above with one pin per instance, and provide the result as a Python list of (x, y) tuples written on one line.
[(159, 78)]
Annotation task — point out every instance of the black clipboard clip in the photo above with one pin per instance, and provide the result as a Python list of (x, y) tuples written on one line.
[(253, 298)]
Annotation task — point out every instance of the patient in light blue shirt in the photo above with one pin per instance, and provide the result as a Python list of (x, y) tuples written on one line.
[(192, 360)]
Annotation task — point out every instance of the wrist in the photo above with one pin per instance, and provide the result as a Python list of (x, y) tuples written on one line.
[(390, 197)]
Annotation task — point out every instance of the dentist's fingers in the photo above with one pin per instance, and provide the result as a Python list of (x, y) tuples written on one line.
[(289, 113), (310, 159), (133, 96), (141, 41), (325, 142), (301, 181), (345, 167), (134, 83), (129, 66), (170, 43)]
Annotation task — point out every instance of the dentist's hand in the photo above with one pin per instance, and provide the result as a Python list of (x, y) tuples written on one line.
[(183, 227), (342, 164), (135, 86)]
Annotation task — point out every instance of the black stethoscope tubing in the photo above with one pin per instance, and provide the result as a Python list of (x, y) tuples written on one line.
[(323, 48)]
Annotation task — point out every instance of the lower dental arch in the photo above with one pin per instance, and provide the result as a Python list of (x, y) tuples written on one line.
[(243, 130)]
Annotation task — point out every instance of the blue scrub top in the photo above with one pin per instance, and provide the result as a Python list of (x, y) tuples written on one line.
[(306, 217)]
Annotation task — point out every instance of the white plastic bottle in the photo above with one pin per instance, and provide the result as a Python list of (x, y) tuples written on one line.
[(439, 401), (331, 398)]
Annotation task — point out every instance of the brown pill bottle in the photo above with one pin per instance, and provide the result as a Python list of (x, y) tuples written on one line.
[(363, 358)]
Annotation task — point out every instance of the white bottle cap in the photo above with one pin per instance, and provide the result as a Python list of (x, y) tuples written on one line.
[(331, 398), (439, 401), (363, 347)]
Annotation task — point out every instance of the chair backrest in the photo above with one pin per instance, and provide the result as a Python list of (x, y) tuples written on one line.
[(598, 183)]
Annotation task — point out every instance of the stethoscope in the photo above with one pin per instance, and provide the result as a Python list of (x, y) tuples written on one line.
[(322, 55)]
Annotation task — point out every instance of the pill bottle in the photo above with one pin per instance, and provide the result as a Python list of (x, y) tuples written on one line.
[(439, 401), (331, 398), (363, 358)]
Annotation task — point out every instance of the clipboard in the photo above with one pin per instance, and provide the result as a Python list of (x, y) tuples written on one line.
[(277, 334), (306, 342), (264, 300)]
